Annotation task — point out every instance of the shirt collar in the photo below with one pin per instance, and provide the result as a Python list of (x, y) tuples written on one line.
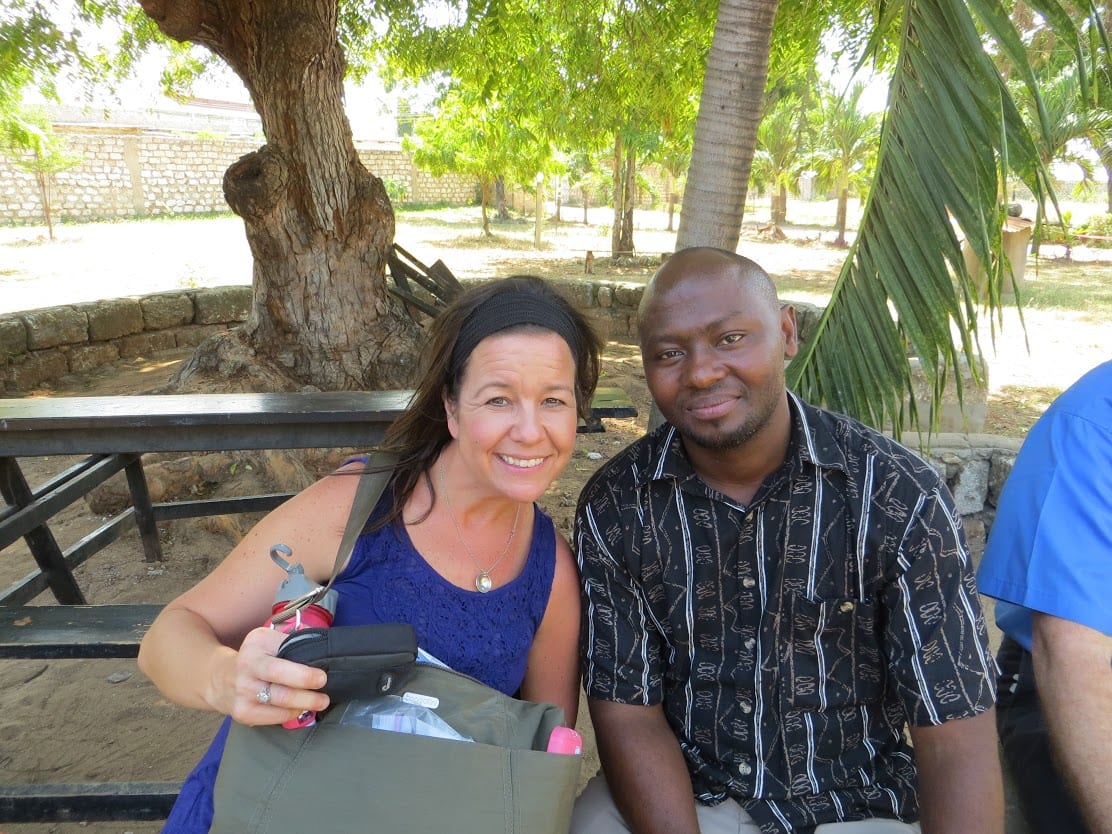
[(813, 443)]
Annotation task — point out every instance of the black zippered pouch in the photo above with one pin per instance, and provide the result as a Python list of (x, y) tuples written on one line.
[(361, 661)]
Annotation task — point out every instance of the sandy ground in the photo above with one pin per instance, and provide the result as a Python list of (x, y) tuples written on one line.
[(102, 720)]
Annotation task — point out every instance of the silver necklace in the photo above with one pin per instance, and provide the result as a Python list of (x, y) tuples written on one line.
[(483, 582)]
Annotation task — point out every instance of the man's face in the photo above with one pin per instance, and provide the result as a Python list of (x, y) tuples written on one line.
[(713, 347)]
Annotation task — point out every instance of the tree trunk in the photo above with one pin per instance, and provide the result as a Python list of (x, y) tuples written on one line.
[(619, 195), (725, 130), (484, 199), (629, 200), (319, 224), (775, 212), (671, 201), (1106, 159), (586, 204), (44, 194), (780, 206), (500, 198), (840, 215)]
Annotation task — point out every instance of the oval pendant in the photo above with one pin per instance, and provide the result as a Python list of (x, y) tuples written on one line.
[(483, 582)]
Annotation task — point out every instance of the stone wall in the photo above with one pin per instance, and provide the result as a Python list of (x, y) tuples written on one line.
[(136, 172), (40, 345)]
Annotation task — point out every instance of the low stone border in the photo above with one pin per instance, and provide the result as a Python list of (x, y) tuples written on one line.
[(41, 345), (975, 467)]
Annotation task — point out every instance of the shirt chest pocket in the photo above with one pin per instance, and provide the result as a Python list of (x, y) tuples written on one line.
[(831, 657)]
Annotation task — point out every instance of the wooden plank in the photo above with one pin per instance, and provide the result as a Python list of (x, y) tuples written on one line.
[(201, 507), (213, 422), (409, 298), (612, 402), (42, 504), (40, 541), (53, 632), (197, 422), (92, 802)]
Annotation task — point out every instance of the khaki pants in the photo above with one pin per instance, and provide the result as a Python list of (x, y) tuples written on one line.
[(595, 813)]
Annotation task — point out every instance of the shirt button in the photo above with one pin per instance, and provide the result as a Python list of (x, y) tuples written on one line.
[(748, 582), (746, 707), (750, 643), (846, 607), (745, 768)]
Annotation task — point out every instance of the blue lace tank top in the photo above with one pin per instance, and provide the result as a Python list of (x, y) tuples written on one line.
[(486, 636), (386, 580)]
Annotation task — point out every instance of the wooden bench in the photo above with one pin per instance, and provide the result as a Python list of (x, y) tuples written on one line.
[(66, 632), (113, 433)]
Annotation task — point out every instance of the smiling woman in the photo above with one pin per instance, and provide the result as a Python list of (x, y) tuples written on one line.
[(457, 547)]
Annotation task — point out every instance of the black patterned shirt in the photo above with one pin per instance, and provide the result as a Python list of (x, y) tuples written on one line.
[(791, 640)]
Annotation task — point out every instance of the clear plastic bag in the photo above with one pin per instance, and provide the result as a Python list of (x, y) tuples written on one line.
[(397, 715)]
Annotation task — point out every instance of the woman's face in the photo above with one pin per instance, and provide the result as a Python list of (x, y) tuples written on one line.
[(515, 419)]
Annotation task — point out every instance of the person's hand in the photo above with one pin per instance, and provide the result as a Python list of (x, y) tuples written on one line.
[(269, 690)]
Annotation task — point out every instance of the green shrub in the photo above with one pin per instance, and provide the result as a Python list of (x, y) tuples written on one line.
[(1099, 225), (396, 190)]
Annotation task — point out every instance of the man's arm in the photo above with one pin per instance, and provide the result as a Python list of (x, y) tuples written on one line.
[(960, 787), (1073, 674), (644, 768)]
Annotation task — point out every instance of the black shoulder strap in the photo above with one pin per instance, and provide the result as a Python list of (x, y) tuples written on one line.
[(372, 482)]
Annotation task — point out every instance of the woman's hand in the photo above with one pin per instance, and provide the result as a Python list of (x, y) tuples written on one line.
[(266, 689)]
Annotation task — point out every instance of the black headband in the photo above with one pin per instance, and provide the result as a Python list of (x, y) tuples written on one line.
[(506, 310)]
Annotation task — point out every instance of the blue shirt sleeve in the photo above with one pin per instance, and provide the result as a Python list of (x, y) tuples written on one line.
[(1050, 549)]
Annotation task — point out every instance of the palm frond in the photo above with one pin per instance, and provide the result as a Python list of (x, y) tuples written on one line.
[(951, 135)]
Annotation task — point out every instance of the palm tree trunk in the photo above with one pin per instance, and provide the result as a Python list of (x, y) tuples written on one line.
[(840, 219), (725, 130), (780, 206)]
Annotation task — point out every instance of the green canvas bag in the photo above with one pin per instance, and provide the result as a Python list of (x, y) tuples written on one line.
[(336, 777)]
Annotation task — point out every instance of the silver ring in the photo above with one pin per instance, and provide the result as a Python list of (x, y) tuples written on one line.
[(263, 695)]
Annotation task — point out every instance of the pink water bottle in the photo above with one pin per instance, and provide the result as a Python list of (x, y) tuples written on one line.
[(292, 610), (566, 741)]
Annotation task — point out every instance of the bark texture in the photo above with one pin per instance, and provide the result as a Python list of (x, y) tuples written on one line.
[(725, 130), (318, 223)]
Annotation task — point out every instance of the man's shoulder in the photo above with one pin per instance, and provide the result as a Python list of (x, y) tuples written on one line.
[(855, 442)]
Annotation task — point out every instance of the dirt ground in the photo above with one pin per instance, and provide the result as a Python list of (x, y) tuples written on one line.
[(102, 720)]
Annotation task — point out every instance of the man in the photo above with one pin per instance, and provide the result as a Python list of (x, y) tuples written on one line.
[(1049, 560), (772, 594)]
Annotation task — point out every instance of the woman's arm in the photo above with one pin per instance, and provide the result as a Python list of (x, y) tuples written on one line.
[(552, 672), (208, 648)]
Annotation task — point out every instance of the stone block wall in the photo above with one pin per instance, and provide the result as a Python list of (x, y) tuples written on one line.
[(37, 346), (136, 172)]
